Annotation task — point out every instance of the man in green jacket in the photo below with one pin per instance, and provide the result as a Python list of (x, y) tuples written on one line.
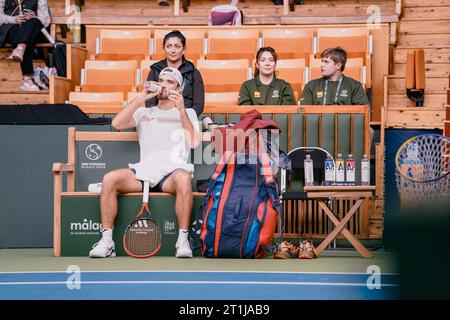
[(333, 88)]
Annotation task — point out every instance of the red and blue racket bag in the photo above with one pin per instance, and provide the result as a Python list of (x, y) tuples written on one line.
[(241, 208)]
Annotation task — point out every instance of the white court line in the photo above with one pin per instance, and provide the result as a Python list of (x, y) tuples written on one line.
[(199, 282), (199, 271)]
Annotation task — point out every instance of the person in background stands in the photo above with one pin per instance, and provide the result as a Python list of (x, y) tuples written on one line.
[(333, 88), (174, 44), (21, 22), (265, 88)]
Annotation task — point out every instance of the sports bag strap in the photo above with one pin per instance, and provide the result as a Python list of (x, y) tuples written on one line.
[(271, 187), (266, 168), (196, 227), (272, 191), (225, 159), (194, 234)]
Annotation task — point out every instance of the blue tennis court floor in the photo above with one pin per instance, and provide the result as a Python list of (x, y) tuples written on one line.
[(198, 285)]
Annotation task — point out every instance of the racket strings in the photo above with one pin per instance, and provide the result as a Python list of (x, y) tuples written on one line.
[(426, 158), (422, 169), (143, 238)]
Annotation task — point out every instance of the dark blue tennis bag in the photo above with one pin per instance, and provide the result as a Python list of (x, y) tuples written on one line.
[(241, 208)]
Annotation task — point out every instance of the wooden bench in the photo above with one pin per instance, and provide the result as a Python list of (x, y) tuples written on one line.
[(76, 212), (288, 5)]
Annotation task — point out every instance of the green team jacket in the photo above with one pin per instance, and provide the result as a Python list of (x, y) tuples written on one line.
[(278, 92), (351, 92)]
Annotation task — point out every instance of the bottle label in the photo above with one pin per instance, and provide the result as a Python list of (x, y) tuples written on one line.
[(329, 170), (340, 170), (309, 179), (350, 168), (365, 172)]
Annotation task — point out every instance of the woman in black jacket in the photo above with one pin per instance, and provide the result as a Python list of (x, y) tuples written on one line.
[(21, 22), (174, 44)]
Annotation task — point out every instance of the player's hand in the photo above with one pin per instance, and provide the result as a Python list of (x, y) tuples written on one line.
[(177, 98)]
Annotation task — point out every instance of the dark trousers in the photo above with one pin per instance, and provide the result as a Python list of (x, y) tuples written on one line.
[(30, 34)]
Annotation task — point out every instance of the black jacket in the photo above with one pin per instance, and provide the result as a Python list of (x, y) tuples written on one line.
[(193, 92), (10, 5)]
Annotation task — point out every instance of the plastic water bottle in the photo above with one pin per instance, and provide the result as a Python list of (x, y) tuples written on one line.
[(365, 171), (340, 168), (329, 169), (350, 168), (309, 171)]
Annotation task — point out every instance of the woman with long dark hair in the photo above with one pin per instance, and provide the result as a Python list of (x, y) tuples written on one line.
[(174, 44)]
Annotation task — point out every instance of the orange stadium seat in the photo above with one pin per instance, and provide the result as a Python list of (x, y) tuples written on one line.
[(232, 44), (293, 71), (221, 98), (419, 66), (195, 44), (109, 76), (87, 100), (131, 95), (145, 70), (223, 75), (415, 76), (314, 69), (124, 44), (354, 68), (410, 80), (290, 43), (357, 42)]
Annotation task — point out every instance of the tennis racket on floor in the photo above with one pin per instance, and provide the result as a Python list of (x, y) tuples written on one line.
[(142, 237)]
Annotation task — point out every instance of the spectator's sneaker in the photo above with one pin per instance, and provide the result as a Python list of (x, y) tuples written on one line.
[(28, 85), (17, 54), (286, 250), (183, 248), (163, 3), (307, 250), (103, 249)]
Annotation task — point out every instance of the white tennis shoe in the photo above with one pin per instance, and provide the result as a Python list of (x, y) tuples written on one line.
[(183, 248), (103, 249)]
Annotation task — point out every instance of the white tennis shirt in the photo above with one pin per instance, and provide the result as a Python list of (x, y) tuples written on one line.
[(162, 142)]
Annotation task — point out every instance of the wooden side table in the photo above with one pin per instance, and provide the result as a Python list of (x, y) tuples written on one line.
[(358, 193)]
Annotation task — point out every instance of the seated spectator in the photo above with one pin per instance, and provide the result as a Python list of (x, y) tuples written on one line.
[(333, 87), (20, 25), (265, 88), (174, 44)]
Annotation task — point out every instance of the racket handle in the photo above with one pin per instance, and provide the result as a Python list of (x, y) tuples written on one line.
[(146, 191)]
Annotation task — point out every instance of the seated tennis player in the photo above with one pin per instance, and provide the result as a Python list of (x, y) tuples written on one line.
[(166, 131)]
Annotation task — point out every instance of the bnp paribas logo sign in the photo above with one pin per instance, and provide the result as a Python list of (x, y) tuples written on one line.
[(93, 154), (85, 227)]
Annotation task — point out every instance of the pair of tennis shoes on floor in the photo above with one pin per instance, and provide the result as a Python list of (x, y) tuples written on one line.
[(288, 250)]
